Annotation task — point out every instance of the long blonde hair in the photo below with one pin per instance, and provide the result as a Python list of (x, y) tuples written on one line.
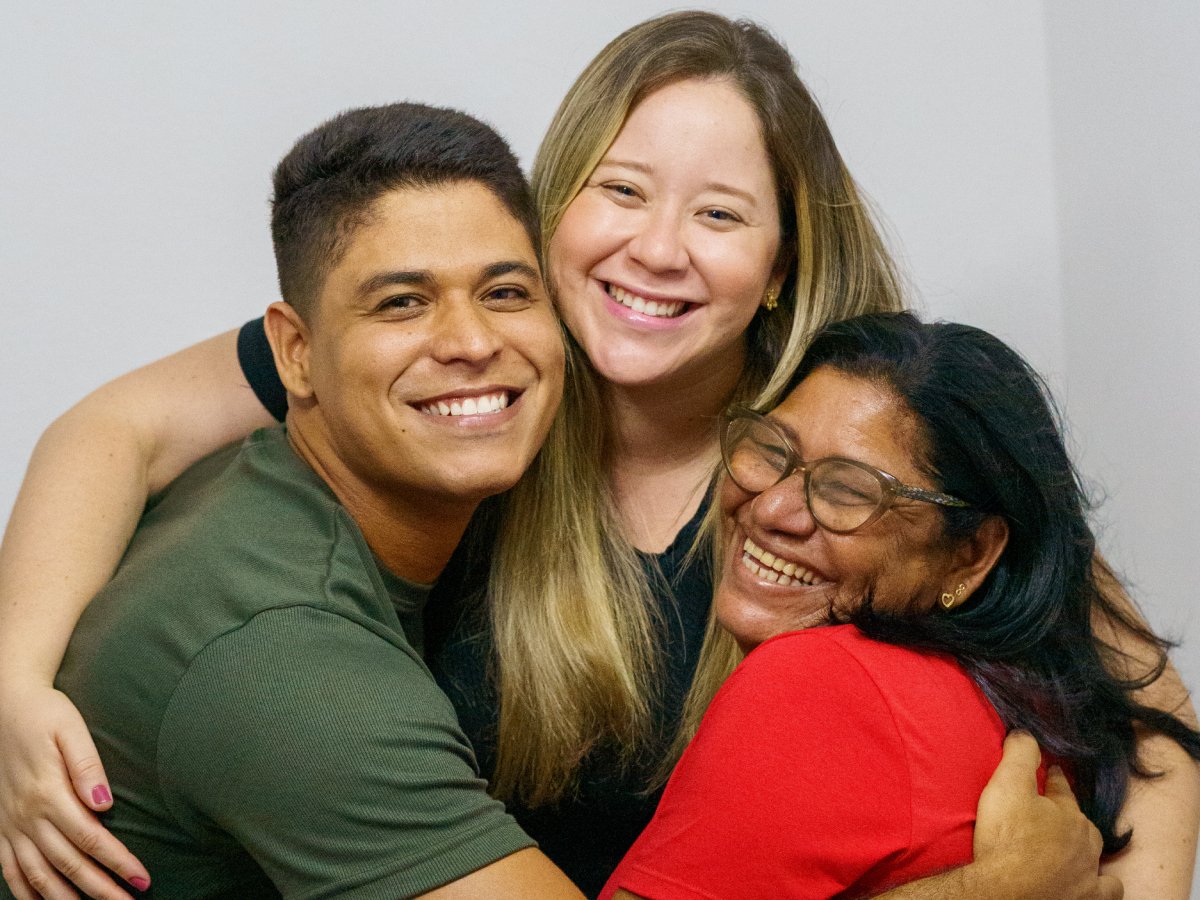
[(576, 649)]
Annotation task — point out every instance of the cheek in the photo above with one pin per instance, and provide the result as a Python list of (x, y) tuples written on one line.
[(902, 576), (864, 564), (730, 499), (574, 245), (739, 275)]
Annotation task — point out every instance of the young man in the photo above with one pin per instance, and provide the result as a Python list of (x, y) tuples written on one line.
[(253, 673)]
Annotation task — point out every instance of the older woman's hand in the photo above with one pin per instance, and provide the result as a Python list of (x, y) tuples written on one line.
[(51, 780), (1036, 847)]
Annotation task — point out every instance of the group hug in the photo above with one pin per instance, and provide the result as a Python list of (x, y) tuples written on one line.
[(618, 533)]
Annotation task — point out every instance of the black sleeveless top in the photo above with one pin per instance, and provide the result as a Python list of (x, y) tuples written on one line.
[(587, 834)]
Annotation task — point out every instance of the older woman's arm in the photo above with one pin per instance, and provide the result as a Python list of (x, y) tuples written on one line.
[(86, 486)]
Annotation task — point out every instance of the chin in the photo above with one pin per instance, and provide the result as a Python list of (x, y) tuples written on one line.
[(751, 621)]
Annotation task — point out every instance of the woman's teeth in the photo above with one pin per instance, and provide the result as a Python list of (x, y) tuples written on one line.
[(666, 309), (468, 406), (776, 569)]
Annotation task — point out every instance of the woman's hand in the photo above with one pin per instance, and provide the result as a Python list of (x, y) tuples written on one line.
[(87, 484), (51, 781)]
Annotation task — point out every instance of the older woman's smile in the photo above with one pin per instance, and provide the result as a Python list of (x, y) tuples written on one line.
[(777, 569)]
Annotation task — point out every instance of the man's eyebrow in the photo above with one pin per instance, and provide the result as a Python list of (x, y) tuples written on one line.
[(418, 278), (508, 267)]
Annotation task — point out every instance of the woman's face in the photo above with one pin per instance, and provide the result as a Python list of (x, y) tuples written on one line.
[(662, 259), (901, 557)]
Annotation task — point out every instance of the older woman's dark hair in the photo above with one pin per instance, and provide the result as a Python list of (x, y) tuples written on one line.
[(991, 437)]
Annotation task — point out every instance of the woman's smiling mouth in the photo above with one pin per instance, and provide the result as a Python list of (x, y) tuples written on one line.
[(776, 569), (666, 309)]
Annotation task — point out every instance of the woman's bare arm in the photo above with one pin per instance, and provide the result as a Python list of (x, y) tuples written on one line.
[(86, 486), (1164, 812)]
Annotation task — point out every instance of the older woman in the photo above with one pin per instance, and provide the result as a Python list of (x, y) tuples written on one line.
[(912, 495)]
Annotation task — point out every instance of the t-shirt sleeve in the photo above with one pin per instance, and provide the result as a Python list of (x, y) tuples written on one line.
[(258, 365), (795, 786), (329, 755)]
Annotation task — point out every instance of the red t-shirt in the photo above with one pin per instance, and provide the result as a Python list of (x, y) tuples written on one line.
[(827, 763)]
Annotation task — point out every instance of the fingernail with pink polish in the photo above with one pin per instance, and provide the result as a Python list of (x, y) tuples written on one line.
[(139, 883), (100, 794)]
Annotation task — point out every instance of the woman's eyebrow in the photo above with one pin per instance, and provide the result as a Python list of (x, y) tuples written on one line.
[(625, 164)]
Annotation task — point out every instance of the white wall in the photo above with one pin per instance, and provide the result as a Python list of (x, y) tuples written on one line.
[(1126, 111), (1037, 166)]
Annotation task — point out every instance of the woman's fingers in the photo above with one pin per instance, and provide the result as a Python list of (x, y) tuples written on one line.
[(73, 840), (76, 865), (84, 766), (50, 781), (10, 869), (42, 878)]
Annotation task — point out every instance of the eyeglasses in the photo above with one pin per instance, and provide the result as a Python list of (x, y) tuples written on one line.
[(843, 495)]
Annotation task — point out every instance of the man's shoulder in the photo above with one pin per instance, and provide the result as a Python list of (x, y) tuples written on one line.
[(253, 513), (249, 529), (241, 489)]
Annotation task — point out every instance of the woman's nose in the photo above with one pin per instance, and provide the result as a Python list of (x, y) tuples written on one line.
[(658, 244), (783, 507)]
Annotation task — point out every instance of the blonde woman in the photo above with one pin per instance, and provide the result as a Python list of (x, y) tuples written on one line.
[(699, 225)]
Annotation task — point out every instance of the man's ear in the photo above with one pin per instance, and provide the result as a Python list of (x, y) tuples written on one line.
[(975, 557), (290, 344)]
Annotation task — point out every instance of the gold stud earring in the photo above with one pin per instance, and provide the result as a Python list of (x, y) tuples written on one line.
[(770, 303), (948, 599)]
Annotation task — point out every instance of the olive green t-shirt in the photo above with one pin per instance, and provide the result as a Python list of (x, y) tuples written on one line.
[(267, 725)]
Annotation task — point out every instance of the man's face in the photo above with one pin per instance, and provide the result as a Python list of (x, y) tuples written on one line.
[(435, 359)]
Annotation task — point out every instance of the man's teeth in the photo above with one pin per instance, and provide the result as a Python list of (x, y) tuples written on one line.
[(775, 569), (467, 406), (662, 308)]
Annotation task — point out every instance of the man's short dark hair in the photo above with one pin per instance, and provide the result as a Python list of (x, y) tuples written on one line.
[(326, 185)]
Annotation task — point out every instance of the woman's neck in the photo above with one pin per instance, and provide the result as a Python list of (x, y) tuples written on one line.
[(664, 450)]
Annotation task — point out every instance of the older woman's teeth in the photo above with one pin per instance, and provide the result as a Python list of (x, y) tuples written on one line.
[(775, 569), (469, 406), (659, 308)]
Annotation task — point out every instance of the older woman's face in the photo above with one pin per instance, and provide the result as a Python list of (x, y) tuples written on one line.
[(901, 557)]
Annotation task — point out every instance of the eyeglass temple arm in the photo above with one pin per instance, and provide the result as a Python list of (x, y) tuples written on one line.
[(916, 493)]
